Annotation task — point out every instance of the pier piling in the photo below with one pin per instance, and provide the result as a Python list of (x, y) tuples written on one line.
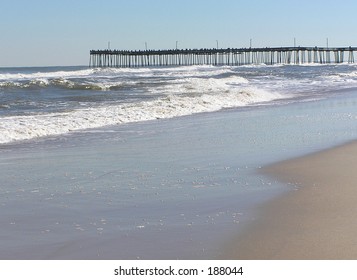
[(230, 56)]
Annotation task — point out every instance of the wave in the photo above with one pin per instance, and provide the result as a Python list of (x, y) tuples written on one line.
[(204, 70), (140, 94), (104, 79), (45, 75), (17, 128)]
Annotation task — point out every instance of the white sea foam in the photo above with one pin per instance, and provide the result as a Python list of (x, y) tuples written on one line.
[(201, 85), (44, 75), (28, 127)]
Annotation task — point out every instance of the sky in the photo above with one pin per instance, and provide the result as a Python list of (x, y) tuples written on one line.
[(62, 32)]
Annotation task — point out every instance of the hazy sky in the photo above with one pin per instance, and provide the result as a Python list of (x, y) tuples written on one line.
[(51, 32)]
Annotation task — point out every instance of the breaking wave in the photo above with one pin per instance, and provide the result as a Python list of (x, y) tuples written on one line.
[(27, 127)]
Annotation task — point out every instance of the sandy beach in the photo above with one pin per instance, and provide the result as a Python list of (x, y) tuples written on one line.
[(315, 221)]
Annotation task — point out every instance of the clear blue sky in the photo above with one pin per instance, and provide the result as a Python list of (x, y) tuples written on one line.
[(61, 32)]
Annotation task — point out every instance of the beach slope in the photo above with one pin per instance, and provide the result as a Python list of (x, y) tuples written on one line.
[(318, 220)]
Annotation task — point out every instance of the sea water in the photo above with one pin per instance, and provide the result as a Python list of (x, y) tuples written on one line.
[(154, 162), (37, 102)]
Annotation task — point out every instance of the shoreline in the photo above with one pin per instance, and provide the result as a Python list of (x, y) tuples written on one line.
[(316, 220), (123, 191)]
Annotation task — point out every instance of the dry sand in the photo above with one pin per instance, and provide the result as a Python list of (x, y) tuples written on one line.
[(317, 221)]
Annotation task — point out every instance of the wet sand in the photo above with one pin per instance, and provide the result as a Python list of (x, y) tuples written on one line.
[(317, 220)]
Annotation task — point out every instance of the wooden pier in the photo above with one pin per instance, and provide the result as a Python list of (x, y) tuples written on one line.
[(233, 57)]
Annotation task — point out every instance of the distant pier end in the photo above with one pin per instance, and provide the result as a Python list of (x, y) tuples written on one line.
[(233, 57)]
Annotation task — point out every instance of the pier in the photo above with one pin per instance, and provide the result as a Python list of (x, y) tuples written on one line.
[(230, 56)]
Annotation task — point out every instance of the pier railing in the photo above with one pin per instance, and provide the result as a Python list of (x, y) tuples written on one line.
[(230, 56)]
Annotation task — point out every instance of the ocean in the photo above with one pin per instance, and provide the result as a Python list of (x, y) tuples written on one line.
[(155, 163)]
